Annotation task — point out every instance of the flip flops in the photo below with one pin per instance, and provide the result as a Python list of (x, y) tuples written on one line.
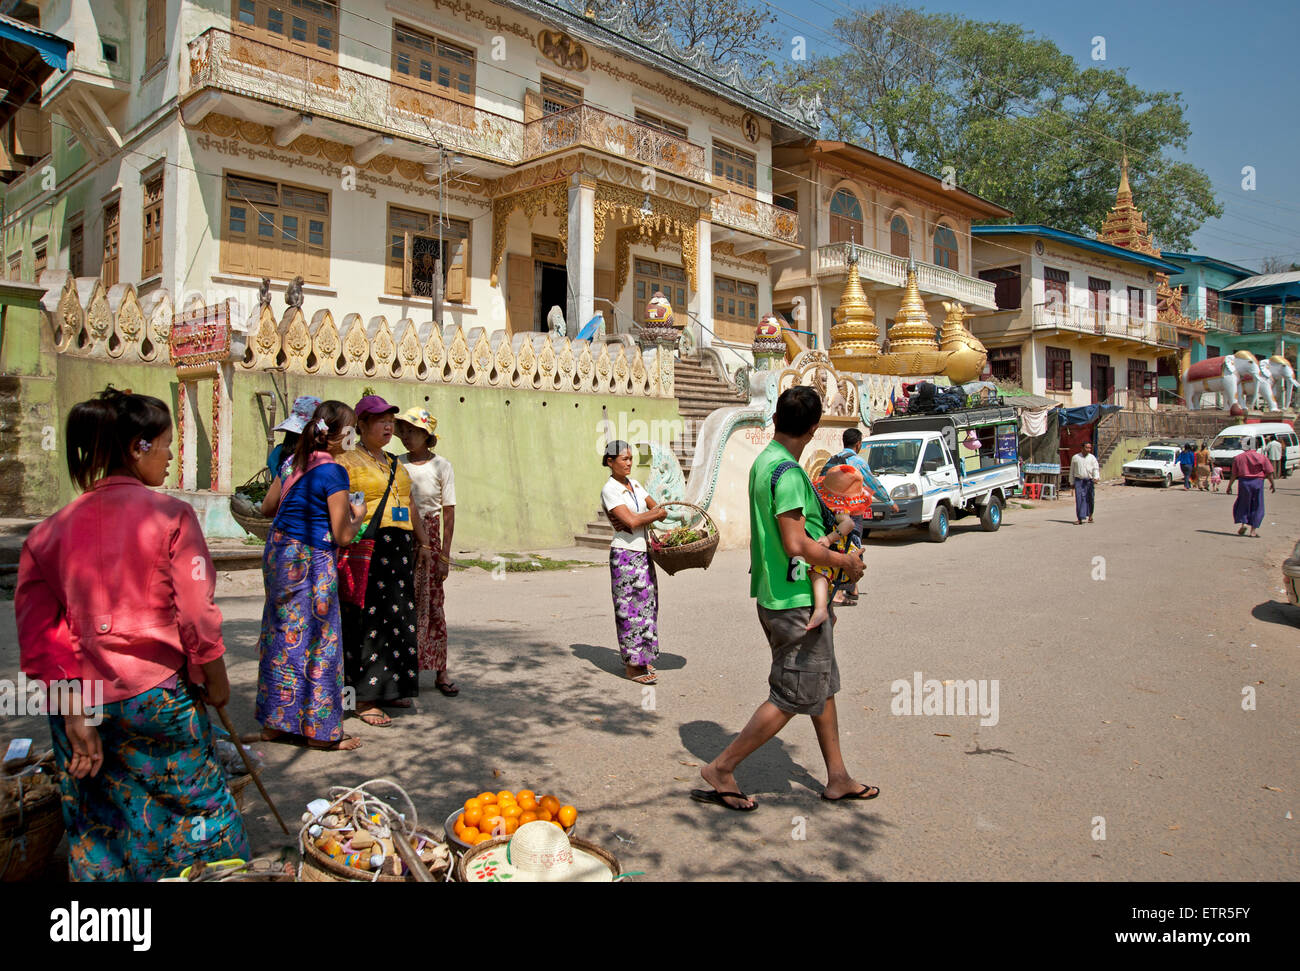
[(719, 799), (860, 795)]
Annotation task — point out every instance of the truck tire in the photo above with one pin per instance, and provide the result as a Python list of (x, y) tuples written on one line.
[(1169, 480), (991, 517), (939, 525)]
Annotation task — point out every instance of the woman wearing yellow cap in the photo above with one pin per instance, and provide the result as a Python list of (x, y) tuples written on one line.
[(433, 493)]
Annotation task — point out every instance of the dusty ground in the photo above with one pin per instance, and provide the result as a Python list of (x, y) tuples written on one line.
[(1119, 698)]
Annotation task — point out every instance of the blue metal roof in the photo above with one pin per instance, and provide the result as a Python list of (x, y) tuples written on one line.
[(1239, 271), (53, 49), (1266, 288), (1081, 242)]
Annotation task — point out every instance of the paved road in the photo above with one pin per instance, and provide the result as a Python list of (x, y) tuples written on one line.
[(1118, 698)]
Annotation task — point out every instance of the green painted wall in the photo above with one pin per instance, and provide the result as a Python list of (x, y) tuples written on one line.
[(1126, 451)]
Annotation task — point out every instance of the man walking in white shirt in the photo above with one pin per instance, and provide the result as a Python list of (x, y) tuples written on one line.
[(1084, 472), (1275, 452)]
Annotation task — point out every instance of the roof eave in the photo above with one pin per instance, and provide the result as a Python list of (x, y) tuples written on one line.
[(903, 171), (1082, 242)]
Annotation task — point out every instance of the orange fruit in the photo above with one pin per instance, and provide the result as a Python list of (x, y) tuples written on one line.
[(526, 794), (511, 811), (460, 821), (512, 824), (550, 804), (482, 838), (486, 797), (468, 834), (505, 795), (473, 816), (492, 824), (473, 803), (527, 800), (556, 822), (526, 816), (544, 816), (566, 816)]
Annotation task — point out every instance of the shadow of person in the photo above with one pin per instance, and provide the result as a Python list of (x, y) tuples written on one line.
[(770, 770), (608, 659), (1276, 612)]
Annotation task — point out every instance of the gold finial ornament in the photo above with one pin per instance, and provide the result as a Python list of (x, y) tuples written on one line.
[(966, 355), (912, 330), (1125, 226), (855, 339)]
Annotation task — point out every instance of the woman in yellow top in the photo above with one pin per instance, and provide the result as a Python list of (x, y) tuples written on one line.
[(380, 658)]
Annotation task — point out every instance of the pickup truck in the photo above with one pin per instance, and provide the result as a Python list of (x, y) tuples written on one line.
[(940, 468)]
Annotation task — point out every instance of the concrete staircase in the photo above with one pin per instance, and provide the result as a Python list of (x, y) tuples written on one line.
[(699, 393)]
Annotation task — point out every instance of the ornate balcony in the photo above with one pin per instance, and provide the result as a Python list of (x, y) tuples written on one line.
[(757, 218), (222, 62), (1226, 322), (891, 271), (1103, 325), (590, 127)]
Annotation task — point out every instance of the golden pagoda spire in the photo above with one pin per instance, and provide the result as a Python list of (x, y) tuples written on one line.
[(855, 339), (912, 330), (1124, 226)]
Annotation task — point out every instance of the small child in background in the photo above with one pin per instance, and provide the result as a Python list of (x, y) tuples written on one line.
[(845, 539), (1216, 476)]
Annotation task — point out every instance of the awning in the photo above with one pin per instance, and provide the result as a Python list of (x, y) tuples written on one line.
[(1266, 288), (1086, 414), (1030, 402), (28, 56)]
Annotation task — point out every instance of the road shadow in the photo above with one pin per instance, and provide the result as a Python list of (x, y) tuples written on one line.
[(1217, 532), (1276, 612), (1066, 522), (608, 659)]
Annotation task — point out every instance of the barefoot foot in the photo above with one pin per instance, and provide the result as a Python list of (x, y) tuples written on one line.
[(819, 617)]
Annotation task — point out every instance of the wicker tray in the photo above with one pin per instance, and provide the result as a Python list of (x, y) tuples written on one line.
[(248, 514), (31, 825), (691, 556), (320, 867)]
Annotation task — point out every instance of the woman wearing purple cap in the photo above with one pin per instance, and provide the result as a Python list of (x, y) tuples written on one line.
[(380, 655)]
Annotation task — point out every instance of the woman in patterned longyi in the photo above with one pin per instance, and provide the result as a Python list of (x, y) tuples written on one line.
[(633, 581)]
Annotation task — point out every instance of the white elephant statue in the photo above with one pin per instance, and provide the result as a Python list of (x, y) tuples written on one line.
[(1217, 375), (1263, 388), (1285, 384), (1249, 379)]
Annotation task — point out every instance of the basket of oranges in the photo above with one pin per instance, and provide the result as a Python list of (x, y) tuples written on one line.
[(492, 814)]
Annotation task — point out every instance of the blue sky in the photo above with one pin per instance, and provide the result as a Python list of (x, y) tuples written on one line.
[(1235, 65)]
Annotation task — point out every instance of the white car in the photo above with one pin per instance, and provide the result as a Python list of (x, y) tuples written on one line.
[(1155, 463)]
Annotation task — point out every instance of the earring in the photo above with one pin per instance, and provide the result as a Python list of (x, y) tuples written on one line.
[(145, 446)]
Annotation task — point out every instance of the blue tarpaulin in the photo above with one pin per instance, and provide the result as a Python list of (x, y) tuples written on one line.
[(1085, 414)]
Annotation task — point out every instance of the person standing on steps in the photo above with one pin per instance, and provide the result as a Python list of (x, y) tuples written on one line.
[(1084, 473), (785, 522)]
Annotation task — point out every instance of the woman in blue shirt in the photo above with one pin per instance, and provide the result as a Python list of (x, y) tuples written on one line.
[(300, 674)]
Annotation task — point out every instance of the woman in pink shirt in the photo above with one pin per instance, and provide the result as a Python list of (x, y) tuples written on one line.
[(1250, 468), (115, 604)]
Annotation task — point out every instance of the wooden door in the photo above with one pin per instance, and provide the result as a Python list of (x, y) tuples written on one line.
[(519, 293)]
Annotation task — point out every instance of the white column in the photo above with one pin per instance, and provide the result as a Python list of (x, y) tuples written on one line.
[(701, 302), (581, 262)]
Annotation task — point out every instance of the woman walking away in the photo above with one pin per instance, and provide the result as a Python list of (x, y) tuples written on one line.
[(1204, 462), (378, 593), (1187, 462), (300, 674), (633, 580), (433, 491), (1250, 469), (115, 593)]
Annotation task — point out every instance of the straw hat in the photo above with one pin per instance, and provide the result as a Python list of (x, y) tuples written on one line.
[(842, 489), (538, 852), (420, 418)]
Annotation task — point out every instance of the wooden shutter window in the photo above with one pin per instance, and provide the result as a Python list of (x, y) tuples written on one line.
[(77, 250), (846, 218), (557, 96), (151, 258), (1056, 287), (155, 33), (735, 168), (900, 238), (109, 267)]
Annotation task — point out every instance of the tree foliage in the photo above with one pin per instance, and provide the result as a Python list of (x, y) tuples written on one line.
[(1020, 122), (725, 30)]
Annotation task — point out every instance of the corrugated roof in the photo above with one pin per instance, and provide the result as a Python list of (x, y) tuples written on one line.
[(1267, 287), (1074, 239), (52, 48)]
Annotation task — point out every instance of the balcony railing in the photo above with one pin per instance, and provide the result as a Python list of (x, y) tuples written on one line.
[(891, 270), (240, 65), (1229, 323), (1103, 323), (586, 125), (757, 217)]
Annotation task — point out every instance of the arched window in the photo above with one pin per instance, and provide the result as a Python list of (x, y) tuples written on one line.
[(900, 240), (945, 247), (846, 217)]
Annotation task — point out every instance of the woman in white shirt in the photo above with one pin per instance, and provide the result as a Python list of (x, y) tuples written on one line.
[(633, 580), (433, 494)]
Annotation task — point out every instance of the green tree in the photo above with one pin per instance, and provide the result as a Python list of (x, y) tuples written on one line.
[(1017, 119), (725, 30)]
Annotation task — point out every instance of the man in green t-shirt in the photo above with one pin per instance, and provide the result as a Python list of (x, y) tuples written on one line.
[(785, 523)]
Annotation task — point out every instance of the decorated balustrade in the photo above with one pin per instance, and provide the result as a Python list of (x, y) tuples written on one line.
[(878, 267), (115, 324), (760, 218), (591, 127)]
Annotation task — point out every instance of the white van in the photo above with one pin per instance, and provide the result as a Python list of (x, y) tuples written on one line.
[(1235, 439)]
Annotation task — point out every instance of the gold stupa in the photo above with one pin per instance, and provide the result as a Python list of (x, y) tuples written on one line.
[(966, 353), (855, 339), (912, 330)]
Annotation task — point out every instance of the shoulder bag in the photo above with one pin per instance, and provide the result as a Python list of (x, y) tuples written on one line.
[(354, 560)]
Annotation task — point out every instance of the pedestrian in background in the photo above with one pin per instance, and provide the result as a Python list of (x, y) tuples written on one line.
[(1276, 454), (1187, 462), (116, 589), (300, 667), (1084, 473), (433, 493), (851, 455), (1203, 464), (1250, 468), (303, 408)]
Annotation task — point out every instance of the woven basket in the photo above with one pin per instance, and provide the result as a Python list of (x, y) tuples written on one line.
[(320, 867), (31, 825), (691, 556), (248, 514)]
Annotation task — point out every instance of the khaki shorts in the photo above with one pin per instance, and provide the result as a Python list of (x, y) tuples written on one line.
[(804, 673)]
